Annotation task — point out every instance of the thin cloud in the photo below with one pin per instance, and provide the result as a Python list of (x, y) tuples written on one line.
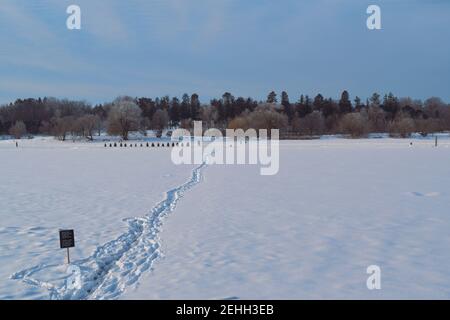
[(157, 47)]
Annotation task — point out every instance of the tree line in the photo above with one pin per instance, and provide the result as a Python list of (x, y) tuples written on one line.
[(305, 117)]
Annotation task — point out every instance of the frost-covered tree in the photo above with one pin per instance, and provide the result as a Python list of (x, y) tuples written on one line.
[(266, 117), (124, 116), (61, 126), (86, 125), (354, 124), (18, 130)]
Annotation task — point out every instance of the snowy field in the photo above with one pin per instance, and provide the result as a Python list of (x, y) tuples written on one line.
[(47, 185), (336, 207)]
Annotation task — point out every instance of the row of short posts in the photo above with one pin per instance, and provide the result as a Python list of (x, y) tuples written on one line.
[(173, 144), (145, 145)]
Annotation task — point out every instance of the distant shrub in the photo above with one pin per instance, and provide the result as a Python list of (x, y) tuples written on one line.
[(354, 124), (18, 130), (403, 127), (311, 124), (428, 126)]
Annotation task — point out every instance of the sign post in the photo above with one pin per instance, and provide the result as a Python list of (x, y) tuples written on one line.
[(66, 241)]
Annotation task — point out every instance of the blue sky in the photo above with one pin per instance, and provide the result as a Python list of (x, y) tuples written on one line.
[(247, 47)]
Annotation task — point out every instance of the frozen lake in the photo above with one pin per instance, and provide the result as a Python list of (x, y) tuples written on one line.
[(335, 207)]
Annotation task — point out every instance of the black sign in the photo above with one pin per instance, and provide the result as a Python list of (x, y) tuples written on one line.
[(66, 239)]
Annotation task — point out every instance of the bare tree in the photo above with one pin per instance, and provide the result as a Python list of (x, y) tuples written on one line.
[(377, 119), (428, 126), (409, 102), (434, 107), (186, 124), (445, 122), (45, 128), (209, 117), (312, 124), (18, 130), (146, 124), (124, 116), (61, 126), (100, 125), (85, 126), (160, 120)]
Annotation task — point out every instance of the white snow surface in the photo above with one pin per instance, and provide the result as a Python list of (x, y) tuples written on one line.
[(48, 185), (336, 207)]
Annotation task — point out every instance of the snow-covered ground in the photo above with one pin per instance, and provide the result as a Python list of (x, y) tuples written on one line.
[(47, 185), (336, 207)]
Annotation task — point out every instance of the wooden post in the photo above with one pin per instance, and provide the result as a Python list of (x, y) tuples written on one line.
[(436, 142), (68, 256)]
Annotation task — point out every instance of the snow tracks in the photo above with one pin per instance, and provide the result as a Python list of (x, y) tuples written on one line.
[(119, 263)]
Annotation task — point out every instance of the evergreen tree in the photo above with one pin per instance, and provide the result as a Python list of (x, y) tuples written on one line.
[(328, 108), (308, 106), (345, 105), (227, 104), (358, 105), (390, 103), (287, 108), (375, 100), (185, 107), (174, 111), (303, 107), (285, 99), (272, 97), (195, 107), (318, 103)]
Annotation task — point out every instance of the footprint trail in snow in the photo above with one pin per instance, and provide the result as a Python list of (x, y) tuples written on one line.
[(119, 263)]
